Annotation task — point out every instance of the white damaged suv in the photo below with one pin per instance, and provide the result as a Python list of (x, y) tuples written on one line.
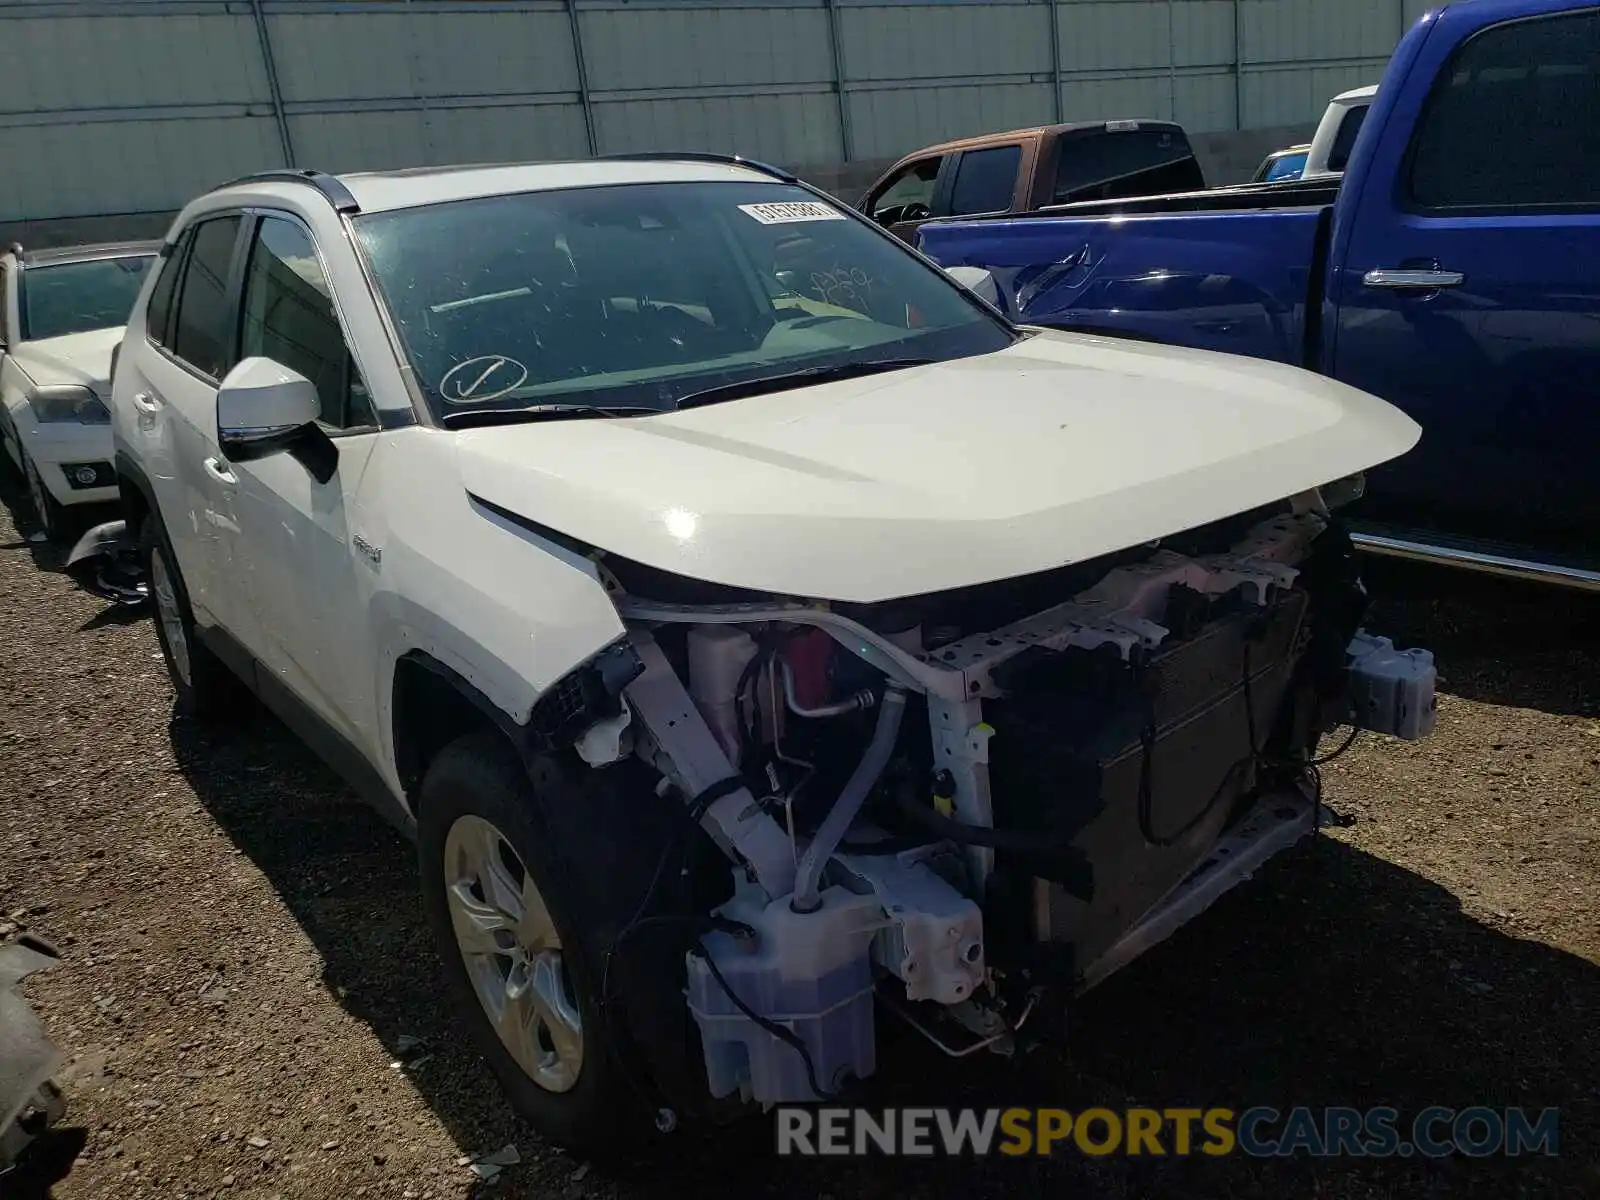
[(760, 636)]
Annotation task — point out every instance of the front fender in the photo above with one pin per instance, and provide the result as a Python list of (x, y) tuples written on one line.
[(508, 612)]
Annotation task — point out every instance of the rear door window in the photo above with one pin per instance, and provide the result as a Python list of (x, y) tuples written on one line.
[(1512, 122), (986, 181), (158, 313)]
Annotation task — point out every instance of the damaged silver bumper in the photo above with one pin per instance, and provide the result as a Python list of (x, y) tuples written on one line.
[(105, 561), (29, 1102)]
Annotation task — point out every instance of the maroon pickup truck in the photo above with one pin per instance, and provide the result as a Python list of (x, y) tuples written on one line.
[(1025, 169)]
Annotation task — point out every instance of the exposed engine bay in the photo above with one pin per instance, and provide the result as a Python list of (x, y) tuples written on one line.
[(949, 805)]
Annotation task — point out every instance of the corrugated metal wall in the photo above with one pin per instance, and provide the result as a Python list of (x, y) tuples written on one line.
[(134, 106)]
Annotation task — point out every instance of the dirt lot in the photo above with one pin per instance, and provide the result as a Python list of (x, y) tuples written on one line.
[(246, 952)]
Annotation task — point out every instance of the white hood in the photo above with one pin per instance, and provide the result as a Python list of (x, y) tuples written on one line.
[(1060, 449), (82, 358)]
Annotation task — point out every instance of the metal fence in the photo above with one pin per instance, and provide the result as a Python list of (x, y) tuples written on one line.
[(136, 105)]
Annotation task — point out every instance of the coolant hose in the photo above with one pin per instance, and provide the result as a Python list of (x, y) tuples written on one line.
[(1061, 862), (807, 890)]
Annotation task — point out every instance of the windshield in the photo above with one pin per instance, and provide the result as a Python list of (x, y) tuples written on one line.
[(1288, 166), (639, 295), (74, 297)]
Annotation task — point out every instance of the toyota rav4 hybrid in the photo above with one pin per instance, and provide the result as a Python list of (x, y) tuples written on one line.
[(61, 315), (761, 637)]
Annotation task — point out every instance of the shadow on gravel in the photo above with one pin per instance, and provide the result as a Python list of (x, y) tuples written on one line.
[(1334, 978), (14, 496), (1500, 641), (45, 1163), (116, 615)]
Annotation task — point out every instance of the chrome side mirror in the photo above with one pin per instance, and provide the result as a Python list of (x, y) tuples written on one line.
[(263, 408)]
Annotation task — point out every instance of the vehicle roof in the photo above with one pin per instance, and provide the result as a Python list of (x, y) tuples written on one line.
[(1302, 148), (383, 191), (53, 255), (1360, 93), (989, 139)]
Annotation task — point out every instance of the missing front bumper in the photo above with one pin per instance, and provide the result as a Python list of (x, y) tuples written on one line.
[(1276, 822)]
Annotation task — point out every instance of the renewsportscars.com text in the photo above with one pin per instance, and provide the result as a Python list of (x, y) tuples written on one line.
[(1259, 1132)]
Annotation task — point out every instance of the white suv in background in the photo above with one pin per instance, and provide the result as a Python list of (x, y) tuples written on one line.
[(1336, 133), (61, 316), (744, 618)]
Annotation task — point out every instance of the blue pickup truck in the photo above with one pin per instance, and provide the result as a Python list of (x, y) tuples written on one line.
[(1453, 271)]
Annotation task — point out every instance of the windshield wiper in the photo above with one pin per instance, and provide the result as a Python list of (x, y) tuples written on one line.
[(777, 383), (472, 417)]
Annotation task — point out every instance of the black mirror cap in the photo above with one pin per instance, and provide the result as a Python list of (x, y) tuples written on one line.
[(247, 446), (306, 444)]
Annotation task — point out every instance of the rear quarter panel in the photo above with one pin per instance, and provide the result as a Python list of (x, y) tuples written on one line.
[(1235, 282)]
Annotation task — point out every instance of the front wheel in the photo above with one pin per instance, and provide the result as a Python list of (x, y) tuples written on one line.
[(47, 510), (204, 688), (512, 940)]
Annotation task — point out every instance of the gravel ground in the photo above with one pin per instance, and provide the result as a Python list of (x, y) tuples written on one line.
[(245, 950)]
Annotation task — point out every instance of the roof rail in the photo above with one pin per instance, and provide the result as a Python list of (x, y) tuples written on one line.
[(338, 195), (704, 156)]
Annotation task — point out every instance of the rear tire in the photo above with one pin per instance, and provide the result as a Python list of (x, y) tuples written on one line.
[(515, 942), (204, 690)]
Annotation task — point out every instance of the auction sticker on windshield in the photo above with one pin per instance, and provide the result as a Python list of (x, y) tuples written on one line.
[(792, 212)]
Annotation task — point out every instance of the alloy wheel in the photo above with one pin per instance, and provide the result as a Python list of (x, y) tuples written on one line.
[(512, 953)]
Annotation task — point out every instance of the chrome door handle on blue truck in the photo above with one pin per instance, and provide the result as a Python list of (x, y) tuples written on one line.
[(1454, 271), (1413, 280)]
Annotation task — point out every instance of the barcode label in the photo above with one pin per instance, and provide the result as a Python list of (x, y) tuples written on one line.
[(789, 213)]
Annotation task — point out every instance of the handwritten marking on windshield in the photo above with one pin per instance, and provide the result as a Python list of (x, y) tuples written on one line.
[(460, 384), (849, 287)]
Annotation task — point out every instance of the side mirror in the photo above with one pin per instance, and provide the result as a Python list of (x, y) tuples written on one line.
[(263, 408), (978, 280)]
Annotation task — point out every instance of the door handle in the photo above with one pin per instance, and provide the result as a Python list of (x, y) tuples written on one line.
[(220, 473), (146, 403), (1413, 280)]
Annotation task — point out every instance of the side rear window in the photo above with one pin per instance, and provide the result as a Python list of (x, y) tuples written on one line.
[(1345, 140), (201, 333), (1511, 121), (986, 181), (1114, 162), (159, 311)]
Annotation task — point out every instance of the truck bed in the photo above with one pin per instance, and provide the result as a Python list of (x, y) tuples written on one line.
[(1239, 267)]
